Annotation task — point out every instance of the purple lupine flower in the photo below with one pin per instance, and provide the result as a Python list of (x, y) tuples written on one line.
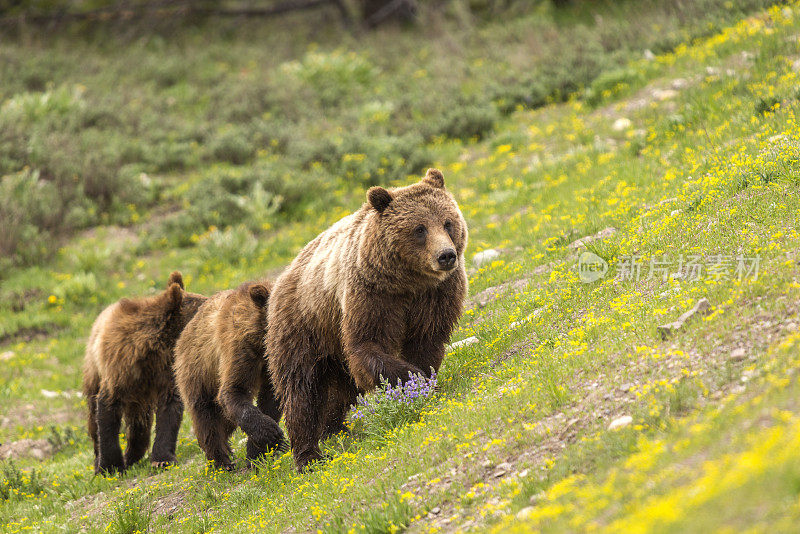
[(416, 389)]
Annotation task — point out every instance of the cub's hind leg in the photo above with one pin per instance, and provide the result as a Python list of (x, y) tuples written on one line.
[(212, 430), (168, 423), (109, 419), (138, 420)]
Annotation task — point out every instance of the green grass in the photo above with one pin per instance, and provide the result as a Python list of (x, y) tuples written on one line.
[(222, 125), (704, 170)]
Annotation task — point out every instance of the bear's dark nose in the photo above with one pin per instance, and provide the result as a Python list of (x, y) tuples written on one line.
[(447, 259)]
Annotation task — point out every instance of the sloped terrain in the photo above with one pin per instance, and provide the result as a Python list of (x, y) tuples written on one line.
[(566, 408)]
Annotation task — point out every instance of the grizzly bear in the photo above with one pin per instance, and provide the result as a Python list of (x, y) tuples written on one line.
[(127, 372), (220, 367), (376, 295)]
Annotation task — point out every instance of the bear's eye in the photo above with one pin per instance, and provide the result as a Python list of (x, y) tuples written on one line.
[(448, 226), (420, 232)]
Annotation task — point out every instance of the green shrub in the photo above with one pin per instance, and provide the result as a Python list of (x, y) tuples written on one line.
[(130, 515), (18, 484), (28, 206), (232, 145), (331, 76)]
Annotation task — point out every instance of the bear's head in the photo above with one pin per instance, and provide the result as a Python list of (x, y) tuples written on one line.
[(420, 227), (189, 302)]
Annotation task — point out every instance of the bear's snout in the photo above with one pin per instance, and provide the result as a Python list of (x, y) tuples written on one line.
[(447, 259)]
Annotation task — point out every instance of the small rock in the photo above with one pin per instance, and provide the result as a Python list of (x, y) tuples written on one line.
[(525, 513), (487, 463), (649, 55), (602, 234), (673, 213), (485, 257), (463, 343), (703, 307), (7, 355), (536, 497), (32, 448), (523, 473), (737, 355), (712, 71), (625, 388), (621, 124), (679, 83), (664, 94), (47, 394), (436, 510), (620, 422), (499, 473)]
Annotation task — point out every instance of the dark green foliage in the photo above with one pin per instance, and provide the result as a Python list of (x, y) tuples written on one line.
[(99, 128)]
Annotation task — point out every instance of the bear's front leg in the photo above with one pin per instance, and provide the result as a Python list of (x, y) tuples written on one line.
[(268, 401), (109, 419), (433, 316), (372, 330)]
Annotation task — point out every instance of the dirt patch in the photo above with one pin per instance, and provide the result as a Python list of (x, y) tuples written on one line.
[(480, 300), (29, 415), (30, 333), (169, 504), (18, 300), (26, 448)]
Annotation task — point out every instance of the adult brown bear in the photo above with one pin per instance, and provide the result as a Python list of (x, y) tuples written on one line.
[(127, 372), (220, 367), (376, 295)]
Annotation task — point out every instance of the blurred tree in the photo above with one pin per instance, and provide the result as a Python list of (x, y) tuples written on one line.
[(8, 6), (376, 12)]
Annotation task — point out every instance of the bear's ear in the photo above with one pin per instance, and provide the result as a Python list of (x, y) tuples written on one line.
[(379, 197), (434, 178), (174, 297), (176, 278), (260, 295), (128, 306)]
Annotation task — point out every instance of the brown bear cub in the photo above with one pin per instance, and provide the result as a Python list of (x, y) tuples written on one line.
[(376, 295), (220, 367), (127, 373)]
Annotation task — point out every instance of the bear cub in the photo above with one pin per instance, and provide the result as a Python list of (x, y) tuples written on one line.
[(127, 373), (375, 295), (220, 367)]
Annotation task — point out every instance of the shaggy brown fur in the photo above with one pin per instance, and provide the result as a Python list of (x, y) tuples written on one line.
[(377, 294), (127, 372), (220, 366)]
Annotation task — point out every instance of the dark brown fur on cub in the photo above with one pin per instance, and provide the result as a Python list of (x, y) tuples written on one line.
[(375, 295), (127, 373), (220, 367)]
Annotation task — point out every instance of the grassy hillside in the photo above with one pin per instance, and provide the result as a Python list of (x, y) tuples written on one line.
[(234, 123), (689, 158)]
